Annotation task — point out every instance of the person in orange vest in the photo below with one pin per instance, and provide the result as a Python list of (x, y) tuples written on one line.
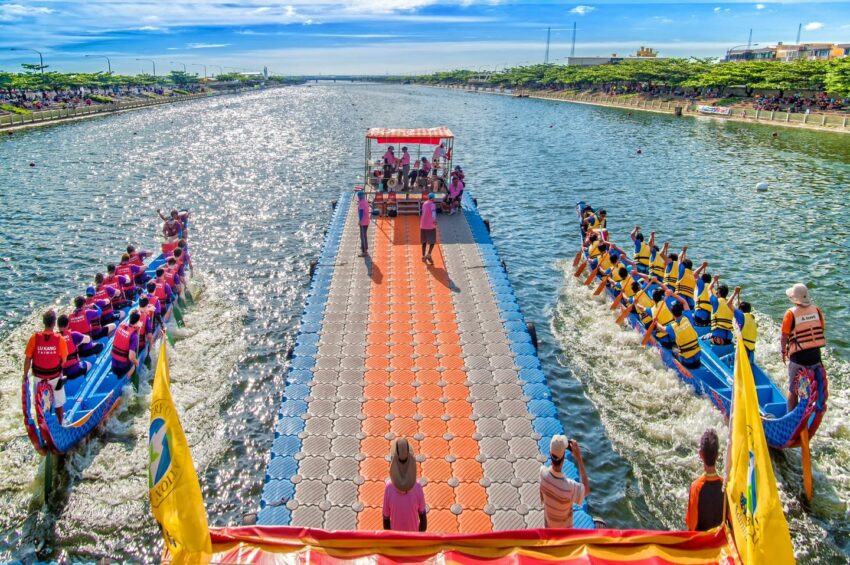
[(45, 354), (802, 338)]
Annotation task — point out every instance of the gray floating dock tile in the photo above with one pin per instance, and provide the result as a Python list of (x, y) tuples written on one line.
[(310, 491), (322, 407), (318, 426), (503, 496), (327, 363), (508, 520), (509, 391), (324, 391), (350, 376), (534, 519), (349, 408), (523, 446), (342, 493), (350, 391), (326, 376), (344, 468), (529, 494), (307, 516), (506, 375), (498, 470), (314, 466), (502, 362), (499, 349), (519, 427), (513, 408), (316, 445), (352, 363), (493, 447), (338, 518), (486, 409), (347, 425), (489, 426), (349, 446)]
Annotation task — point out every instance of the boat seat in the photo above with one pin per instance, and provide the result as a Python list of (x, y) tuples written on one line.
[(765, 394), (775, 409)]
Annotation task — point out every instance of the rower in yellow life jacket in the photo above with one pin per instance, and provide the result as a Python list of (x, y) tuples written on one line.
[(643, 250), (642, 301), (748, 326), (686, 282), (722, 315), (660, 314), (688, 351), (657, 264), (593, 248), (671, 269), (702, 308)]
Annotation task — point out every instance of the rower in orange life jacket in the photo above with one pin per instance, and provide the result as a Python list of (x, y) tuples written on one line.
[(163, 291), (102, 298), (79, 345), (172, 276), (86, 319), (125, 346), (118, 283), (46, 353), (802, 338)]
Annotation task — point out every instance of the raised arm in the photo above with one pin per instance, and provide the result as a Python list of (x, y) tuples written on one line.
[(651, 239), (736, 296), (683, 255), (678, 298), (634, 233), (700, 269), (161, 215)]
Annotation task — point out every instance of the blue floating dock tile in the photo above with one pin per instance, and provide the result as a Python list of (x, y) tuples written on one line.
[(291, 425), (310, 328), (286, 445), (274, 516), (583, 520), (532, 375), (511, 316), (537, 391), (313, 317), (523, 348), (304, 362), (527, 362), (515, 326), (547, 426), (292, 407), (509, 306), (302, 376), (276, 492), (296, 392), (520, 336), (305, 350), (542, 408)]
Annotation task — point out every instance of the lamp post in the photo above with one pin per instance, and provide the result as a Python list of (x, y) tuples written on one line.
[(40, 57), (178, 63), (201, 65), (152, 62), (747, 45), (108, 62)]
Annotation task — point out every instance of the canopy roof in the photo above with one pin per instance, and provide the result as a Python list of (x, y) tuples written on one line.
[(424, 136)]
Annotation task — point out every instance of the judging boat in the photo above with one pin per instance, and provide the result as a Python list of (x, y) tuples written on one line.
[(714, 378), (91, 399)]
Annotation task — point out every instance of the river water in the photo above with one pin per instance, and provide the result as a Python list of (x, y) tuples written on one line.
[(259, 171)]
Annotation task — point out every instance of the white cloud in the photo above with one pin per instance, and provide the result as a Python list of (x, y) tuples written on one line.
[(812, 26), (760, 6), (206, 45), (11, 12), (663, 20), (582, 10), (719, 10)]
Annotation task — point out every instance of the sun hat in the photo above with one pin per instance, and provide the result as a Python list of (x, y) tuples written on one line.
[(403, 465), (558, 447), (799, 294)]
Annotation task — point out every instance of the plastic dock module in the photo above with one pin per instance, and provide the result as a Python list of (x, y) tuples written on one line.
[(435, 352)]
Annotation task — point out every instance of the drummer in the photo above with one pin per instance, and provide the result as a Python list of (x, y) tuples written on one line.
[(172, 229)]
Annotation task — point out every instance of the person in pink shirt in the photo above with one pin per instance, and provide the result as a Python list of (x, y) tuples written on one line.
[(452, 201), (428, 227), (364, 216), (404, 499), (390, 162), (439, 153), (405, 167)]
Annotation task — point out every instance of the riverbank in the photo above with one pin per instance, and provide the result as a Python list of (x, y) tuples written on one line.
[(814, 121), (13, 122)]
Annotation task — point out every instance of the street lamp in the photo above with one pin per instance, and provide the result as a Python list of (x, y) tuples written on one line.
[(152, 62), (176, 63), (108, 62), (201, 65), (748, 45), (40, 58)]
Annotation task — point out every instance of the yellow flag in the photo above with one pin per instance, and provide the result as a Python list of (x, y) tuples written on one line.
[(176, 500), (761, 532)]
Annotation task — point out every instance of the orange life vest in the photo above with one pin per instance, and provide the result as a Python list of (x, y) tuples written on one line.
[(46, 363), (807, 332), (73, 357), (121, 343)]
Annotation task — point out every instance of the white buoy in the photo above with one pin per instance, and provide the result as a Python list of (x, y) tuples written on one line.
[(762, 186)]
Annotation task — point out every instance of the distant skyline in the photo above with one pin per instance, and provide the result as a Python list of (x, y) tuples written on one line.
[(388, 36)]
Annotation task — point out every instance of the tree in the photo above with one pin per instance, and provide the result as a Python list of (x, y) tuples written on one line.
[(837, 77), (180, 78)]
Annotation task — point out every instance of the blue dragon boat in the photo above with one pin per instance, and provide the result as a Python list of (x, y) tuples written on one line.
[(714, 378), (90, 400)]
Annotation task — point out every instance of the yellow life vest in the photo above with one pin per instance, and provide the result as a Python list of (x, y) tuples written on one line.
[(685, 286), (641, 257), (687, 339), (627, 289), (657, 268), (646, 302), (671, 277), (593, 251), (663, 316), (615, 274), (704, 299), (749, 332), (605, 262), (721, 319)]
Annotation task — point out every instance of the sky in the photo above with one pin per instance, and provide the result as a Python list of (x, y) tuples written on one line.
[(302, 37)]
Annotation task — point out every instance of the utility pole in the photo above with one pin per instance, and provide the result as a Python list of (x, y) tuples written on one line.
[(573, 48), (799, 31), (40, 56), (548, 36), (750, 39)]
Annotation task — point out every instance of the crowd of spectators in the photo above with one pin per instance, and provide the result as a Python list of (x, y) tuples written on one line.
[(77, 97), (799, 104)]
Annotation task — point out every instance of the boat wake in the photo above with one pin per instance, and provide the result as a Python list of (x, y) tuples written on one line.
[(655, 421), (103, 484)]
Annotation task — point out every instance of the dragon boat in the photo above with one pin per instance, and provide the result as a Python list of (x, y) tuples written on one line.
[(714, 379), (89, 400)]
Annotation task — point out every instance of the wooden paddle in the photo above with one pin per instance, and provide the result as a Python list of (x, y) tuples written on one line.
[(578, 258), (629, 308), (601, 286), (648, 335), (617, 300), (592, 276), (581, 268)]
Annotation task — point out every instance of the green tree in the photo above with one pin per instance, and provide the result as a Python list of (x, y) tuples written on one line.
[(837, 77)]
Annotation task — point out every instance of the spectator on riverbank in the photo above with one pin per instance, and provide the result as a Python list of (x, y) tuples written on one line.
[(705, 498), (404, 500), (558, 492)]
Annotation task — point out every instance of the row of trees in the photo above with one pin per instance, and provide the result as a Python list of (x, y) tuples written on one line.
[(697, 74)]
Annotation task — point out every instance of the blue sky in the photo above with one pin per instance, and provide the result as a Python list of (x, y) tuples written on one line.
[(380, 36)]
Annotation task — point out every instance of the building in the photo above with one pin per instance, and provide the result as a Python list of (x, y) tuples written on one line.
[(642, 54), (791, 52)]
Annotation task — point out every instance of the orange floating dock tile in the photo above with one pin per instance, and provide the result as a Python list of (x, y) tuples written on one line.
[(470, 495), (438, 495), (375, 469), (436, 470), (458, 409), (375, 446), (370, 519), (402, 376), (432, 427), (403, 408), (454, 376), (473, 521), (461, 427), (428, 376), (376, 426), (467, 470), (404, 427), (372, 493), (442, 521)]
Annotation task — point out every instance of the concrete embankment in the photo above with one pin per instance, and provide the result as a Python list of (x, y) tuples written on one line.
[(835, 123)]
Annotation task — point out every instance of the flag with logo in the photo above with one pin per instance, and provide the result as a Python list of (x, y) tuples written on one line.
[(755, 511), (176, 500)]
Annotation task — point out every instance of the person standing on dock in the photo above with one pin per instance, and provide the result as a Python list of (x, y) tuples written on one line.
[(404, 172), (558, 493), (404, 500), (364, 216), (439, 154), (46, 353), (428, 227), (705, 499), (802, 338)]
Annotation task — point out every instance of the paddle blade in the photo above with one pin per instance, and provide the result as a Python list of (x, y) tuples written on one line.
[(648, 335), (625, 313), (617, 301), (581, 268), (591, 276), (577, 259), (601, 287)]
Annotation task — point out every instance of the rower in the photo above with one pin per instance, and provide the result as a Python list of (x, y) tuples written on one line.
[(642, 250), (586, 213), (46, 353), (656, 260), (79, 345), (660, 315), (132, 273), (125, 347), (802, 339), (671, 268), (86, 319), (749, 328), (137, 257), (172, 229), (686, 337), (154, 301), (119, 282), (172, 276), (702, 308), (147, 321), (687, 280), (162, 290), (108, 293), (107, 314), (721, 315)]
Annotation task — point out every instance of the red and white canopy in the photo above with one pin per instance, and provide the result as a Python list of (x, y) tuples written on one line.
[(423, 136)]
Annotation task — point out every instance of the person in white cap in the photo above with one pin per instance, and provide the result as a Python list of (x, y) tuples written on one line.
[(404, 500), (801, 339), (558, 492)]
